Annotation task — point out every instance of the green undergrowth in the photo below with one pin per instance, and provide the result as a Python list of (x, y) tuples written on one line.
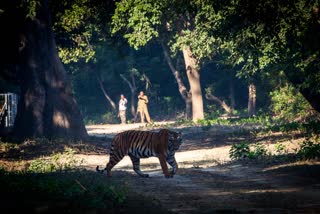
[(309, 149), (65, 192)]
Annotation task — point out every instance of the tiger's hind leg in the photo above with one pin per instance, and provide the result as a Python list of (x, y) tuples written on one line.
[(113, 160), (136, 166)]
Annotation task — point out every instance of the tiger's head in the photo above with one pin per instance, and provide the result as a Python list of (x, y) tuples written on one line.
[(175, 140)]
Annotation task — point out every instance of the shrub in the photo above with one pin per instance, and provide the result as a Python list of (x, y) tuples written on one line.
[(56, 162), (239, 151), (242, 151), (310, 149), (259, 150), (280, 148), (288, 104)]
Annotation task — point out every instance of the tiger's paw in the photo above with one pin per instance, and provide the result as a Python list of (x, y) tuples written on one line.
[(145, 175), (98, 170), (169, 175)]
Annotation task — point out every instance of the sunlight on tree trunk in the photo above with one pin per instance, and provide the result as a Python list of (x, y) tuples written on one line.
[(195, 87), (252, 100), (231, 94)]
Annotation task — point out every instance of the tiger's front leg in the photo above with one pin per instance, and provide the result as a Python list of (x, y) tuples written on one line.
[(164, 167), (136, 166), (173, 163)]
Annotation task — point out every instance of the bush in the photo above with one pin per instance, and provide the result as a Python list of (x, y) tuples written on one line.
[(288, 104), (280, 148), (310, 149), (259, 150), (239, 151), (242, 151), (56, 162)]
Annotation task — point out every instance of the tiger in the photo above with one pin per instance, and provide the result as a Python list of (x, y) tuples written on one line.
[(144, 144)]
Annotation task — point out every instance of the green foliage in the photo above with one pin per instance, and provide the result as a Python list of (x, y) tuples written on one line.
[(77, 192), (309, 128), (310, 149), (259, 151), (31, 7), (288, 104), (239, 151), (184, 122), (106, 118), (56, 162), (261, 120), (139, 19), (76, 26), (242, 151), (280, 148)]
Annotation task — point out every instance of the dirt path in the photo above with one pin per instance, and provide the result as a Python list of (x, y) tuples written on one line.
[(208, 182)]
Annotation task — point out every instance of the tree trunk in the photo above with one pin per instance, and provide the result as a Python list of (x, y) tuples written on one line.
[(46, 107), (252, 100), (113, 105), (195, 86), (308, 90), (231, 95), (223, 105), (186, 96)]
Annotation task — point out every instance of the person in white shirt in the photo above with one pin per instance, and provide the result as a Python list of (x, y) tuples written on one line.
[(122, 109)]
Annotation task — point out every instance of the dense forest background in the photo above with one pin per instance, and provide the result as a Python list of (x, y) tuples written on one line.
[(194, 59)]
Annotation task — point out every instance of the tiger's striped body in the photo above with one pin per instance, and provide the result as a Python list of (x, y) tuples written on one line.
[(144, 144)]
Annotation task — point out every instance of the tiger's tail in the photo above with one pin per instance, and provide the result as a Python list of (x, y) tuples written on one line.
[(100, 171)]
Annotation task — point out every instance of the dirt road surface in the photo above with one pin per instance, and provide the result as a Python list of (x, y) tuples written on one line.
[(209, 182)]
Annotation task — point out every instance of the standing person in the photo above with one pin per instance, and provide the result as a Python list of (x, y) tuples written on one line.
[(122, 109), (142, 107)]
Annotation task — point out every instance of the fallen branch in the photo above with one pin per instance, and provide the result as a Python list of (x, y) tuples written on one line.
[(223, 105)]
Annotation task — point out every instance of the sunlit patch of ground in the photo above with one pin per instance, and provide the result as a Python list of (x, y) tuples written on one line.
[(207, 180)]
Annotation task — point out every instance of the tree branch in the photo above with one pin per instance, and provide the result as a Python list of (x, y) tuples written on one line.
[(182, 89), (223, 105)]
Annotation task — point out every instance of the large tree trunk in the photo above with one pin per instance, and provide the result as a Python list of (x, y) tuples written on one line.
[(252, 100), (185, 94), (46, 107), (195, 86)]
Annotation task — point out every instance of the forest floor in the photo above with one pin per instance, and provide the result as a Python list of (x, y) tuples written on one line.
[(209, 182)]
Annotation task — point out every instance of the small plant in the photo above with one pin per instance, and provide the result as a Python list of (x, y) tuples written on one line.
[(239, 151), (183, 121), (259, 150), (242, 151), (56, 162), (310, 149), (280, 148)]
